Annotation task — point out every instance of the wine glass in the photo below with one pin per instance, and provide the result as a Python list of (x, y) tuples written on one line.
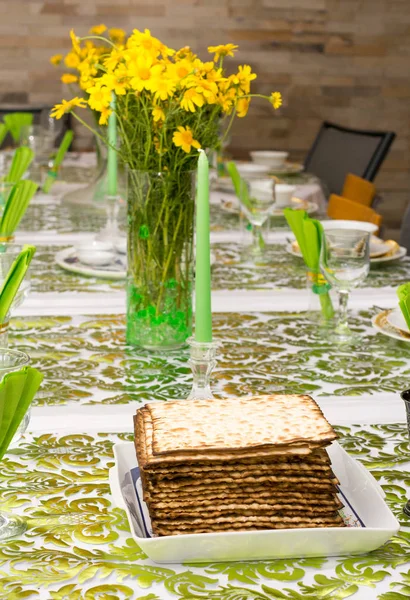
[(345, 263), (52, 126), (257, 197)]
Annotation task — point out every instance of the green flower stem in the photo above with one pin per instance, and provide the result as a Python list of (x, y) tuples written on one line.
[(326, 305)]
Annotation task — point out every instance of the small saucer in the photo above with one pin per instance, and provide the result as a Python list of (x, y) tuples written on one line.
[(381, 324), (69, 260)]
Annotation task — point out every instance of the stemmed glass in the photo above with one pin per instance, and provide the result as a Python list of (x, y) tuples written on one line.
[(257, 197), (345, 263), (53, 127)]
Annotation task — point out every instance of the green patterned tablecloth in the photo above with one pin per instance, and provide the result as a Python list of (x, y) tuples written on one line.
[(229, 272), (78, 547), (85, 360)]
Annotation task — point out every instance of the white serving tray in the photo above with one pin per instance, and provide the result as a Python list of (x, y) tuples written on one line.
[(359, 487)]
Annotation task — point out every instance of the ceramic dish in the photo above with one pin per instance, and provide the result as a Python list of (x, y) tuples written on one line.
[(251, 169), (370, 521), (381, 323), (288, 169), (270, 158), (396, 320), (297, 204), (344, 224), (293, 249), (69, 260)]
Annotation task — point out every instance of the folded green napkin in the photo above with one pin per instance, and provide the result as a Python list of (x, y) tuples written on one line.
[(17, 390), (22, 159), (241, 191), (309, 233), (16, 121), (52, 174), (14, 278), (3, 132), (16, 206), (403, 293)]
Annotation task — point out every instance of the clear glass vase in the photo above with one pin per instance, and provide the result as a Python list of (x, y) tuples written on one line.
[(160, 258)]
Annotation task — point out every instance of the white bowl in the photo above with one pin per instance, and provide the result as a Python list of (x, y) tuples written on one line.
[(344, 224), (284, 194), (249, 169), (120, 244), (95, 253), (269, 158)]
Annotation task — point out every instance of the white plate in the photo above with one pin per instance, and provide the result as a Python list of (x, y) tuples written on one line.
[(401, 253), (345, 224), (395, 319), (309, 207), (373, 261), (381, 324), (233, 207), (288, 169), (378, 247), (363, 493), (68, 260)]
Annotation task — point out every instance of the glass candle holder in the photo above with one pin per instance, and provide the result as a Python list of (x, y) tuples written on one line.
[(202, 362), (405, 396)]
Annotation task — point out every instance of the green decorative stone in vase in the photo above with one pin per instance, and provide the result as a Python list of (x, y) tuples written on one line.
[(160, 258)]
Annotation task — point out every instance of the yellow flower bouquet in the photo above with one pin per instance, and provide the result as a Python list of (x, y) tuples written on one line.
[(167, 105)]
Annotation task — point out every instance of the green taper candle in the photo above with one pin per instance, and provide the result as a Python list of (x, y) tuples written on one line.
[(112, 152), (203, 312)]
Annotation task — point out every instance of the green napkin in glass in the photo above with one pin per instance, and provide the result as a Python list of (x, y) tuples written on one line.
[(14, 278), (16, 206), (3, 132), (241, 191), (52, 174), (403, 293), (17, 390), (16, 121), (308, 233), (22, 159)]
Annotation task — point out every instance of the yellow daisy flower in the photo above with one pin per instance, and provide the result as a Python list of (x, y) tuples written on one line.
[(244, 78), (115, 82), (222, 50), (276, 99), (184, 139), (56, 59), (113, 59), (72, 60), (142, 72), (191, 100), (69, 78), (158, 114), (98, 29), (117, 35), (75, 42), (67, 106), (100, 97), (162, 87), (242, 107), (105, 113)]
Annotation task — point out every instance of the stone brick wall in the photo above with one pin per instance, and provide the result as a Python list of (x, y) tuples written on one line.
[(343, 60)]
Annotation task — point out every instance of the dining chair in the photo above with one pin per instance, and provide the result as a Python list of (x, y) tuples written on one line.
[(404, 239), (343, 208), (339, 150), (359, 190)]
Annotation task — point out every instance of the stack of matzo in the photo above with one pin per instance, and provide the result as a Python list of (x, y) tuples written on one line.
[(236, 464)]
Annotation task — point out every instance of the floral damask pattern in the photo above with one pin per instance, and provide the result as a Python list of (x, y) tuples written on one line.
[(78, 547), (229, 272), (85, 359)]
